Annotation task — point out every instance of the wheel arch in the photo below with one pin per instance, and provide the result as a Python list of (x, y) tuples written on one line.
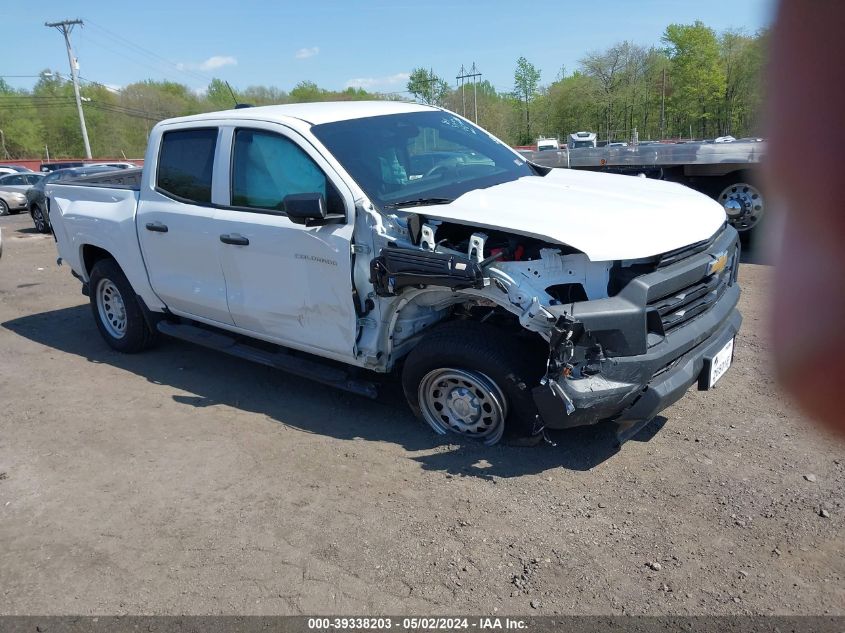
[(89, 255), (423, 310), (91, 250)]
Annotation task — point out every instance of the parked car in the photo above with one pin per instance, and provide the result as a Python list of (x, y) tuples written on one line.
[(118, 165), (14, 169), (37, 203), (48, 167), (512, 296), (13, 188)]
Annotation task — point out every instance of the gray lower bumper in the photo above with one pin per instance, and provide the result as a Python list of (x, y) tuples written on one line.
[(632, 390)]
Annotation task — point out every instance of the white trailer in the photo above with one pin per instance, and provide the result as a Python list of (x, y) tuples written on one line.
[(723, 170)]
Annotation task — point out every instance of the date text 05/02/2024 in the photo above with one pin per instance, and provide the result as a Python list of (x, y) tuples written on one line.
[(416, 623)]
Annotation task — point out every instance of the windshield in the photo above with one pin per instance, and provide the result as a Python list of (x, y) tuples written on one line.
[(407, 158), (577, 144)]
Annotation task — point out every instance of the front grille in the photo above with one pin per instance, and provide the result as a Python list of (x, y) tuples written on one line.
[(671, 257), (683, 305)]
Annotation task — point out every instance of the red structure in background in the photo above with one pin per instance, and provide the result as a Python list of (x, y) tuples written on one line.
[(35, 163)]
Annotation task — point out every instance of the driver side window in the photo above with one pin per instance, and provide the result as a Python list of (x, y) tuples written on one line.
[(266, 167)]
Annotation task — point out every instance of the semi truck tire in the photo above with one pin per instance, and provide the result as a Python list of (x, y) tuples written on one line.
[(473, 380), (742, 200), (116, 309)]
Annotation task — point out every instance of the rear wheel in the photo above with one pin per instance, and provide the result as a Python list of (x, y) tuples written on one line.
[(742, 200), (4, 208), (116, 309), (744, 205), (472, 380), (39, 219)]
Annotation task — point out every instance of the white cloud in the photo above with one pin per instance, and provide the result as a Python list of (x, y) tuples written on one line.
[(212, 63), (369, 83), (305, 53), (218, 61)]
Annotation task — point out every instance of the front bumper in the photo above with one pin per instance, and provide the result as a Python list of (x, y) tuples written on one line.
[(632, 388), (16, 204)]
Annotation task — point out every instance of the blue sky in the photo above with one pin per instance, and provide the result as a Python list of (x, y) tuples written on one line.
[(372, 44)]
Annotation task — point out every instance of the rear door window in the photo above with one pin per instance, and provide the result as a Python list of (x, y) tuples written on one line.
[(185, 164)]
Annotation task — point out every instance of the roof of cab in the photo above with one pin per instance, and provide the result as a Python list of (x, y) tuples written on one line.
[(312, 113)]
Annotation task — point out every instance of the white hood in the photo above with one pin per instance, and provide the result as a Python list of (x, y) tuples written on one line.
[(605, 216)]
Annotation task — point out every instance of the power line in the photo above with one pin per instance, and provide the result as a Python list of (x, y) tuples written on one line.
[(119, 39), (157, 69)]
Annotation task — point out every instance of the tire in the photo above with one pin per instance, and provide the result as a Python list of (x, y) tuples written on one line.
[(473, 380), (116, 309), (39, 219), (748, 205), (4, 208)]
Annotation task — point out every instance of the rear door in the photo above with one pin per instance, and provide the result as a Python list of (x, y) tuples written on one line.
[(286, 282), (177, 228)]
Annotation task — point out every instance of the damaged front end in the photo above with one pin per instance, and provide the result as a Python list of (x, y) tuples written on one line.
[(625, 339), (629, 356)]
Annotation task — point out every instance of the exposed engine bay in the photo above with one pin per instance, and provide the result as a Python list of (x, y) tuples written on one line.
[(430, 270)]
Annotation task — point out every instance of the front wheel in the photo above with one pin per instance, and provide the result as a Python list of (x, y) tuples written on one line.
[(470, 379), (116, 309)]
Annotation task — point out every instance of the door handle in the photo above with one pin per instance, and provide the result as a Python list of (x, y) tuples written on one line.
[(234, 238), (157, 227)]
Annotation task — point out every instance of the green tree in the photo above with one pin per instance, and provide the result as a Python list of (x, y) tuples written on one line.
[(526, 80), (697, 75), (307, 91), (427, 87), (219, 96)]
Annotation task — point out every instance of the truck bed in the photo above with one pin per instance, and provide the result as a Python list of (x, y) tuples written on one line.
[(117, 179), (99, 212)]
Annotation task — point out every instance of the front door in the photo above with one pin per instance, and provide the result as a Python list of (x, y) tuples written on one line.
[(285, 281)]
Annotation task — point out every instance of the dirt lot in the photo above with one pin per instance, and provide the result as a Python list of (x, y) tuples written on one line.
[(185, 481)]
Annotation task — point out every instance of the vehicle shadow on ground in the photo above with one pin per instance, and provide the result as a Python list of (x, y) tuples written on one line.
[(216, 378)]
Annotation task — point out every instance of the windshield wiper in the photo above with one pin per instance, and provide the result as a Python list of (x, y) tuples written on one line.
[(418, 202)]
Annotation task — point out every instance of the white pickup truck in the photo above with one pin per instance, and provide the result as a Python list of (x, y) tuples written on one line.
[(342, 240)]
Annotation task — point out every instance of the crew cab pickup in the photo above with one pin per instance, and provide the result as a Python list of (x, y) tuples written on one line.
[(342, 240)]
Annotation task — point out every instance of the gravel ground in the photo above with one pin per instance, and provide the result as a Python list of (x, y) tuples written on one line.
[(184, 481)]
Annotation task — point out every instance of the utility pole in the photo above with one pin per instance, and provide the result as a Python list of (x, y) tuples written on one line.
[(467, 74), (475, 73), (663, 107), (461, 78), (65, 27)]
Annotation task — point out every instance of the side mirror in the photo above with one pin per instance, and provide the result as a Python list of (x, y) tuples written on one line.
[(305, 208)]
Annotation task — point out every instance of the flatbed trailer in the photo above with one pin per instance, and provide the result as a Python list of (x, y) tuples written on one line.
[(727, 172)]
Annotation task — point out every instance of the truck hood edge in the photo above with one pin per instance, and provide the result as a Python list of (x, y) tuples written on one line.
[(607, 217)]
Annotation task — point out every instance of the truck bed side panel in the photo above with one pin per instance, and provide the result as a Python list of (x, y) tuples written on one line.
[(103, 217)]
